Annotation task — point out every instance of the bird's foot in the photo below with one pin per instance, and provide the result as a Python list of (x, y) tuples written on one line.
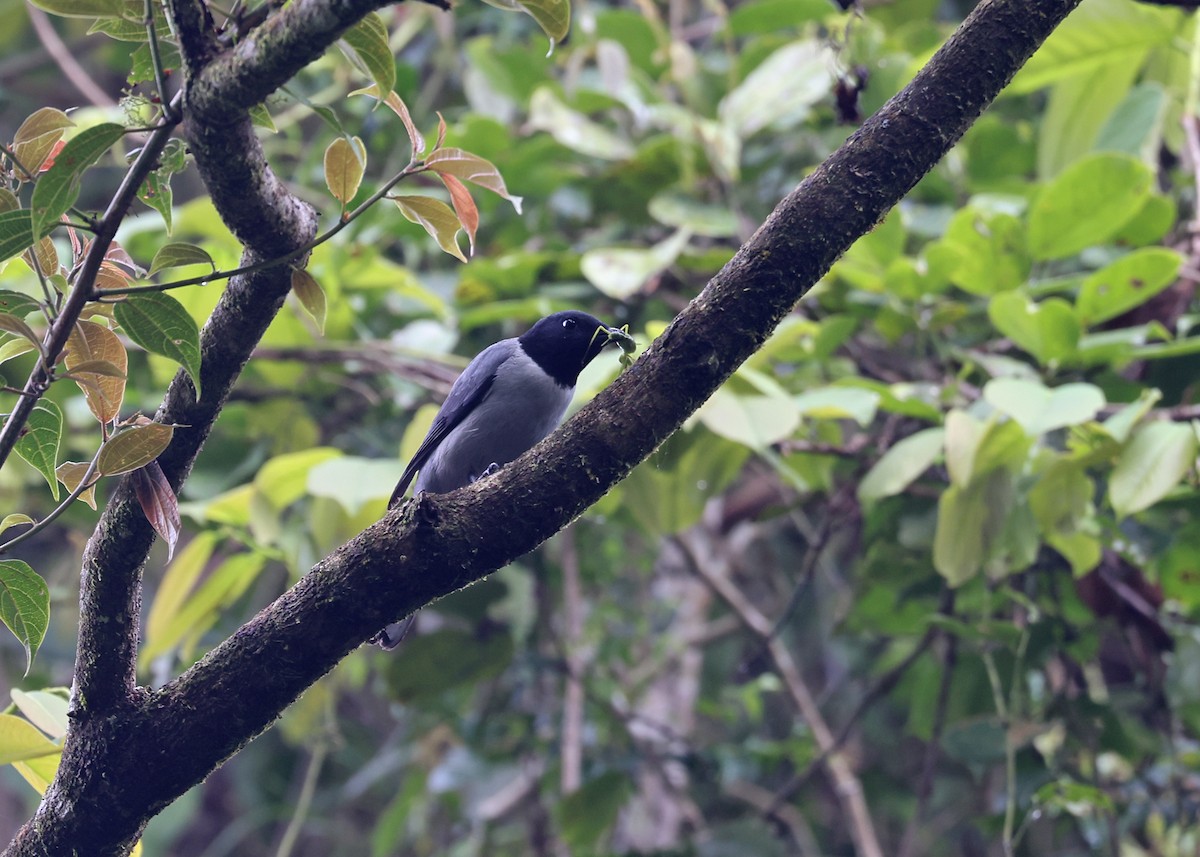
[(487, 471)]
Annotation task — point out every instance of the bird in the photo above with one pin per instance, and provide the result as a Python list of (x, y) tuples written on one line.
[(508, 398)]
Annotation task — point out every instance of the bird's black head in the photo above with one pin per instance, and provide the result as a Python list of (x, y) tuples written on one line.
[(565, 342)]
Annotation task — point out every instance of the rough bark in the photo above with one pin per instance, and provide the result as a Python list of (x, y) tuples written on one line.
[(128, 759)]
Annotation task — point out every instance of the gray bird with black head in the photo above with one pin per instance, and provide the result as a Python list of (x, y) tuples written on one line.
[(508, 398)]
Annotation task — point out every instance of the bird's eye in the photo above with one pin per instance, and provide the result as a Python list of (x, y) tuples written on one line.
[(568, 322)]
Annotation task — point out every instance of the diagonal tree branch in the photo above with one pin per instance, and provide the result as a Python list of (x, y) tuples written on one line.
[(121, 768), (274, 52)]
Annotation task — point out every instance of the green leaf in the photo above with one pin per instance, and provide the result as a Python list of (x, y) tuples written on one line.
[(553, 16), (436, 218), (17, 303), (667, 493), (1153, 462), (16, 232), (39, 444), (345, 162), (37, 136), (1061, 503), (586, 815), (1126, 283), (975, 447), (1100, 33), (1087, 204), (970, 523), (1076, 110), (773, 16), (839, 403), (81, 8), (311, 296), (1049, 330), (156, 189), (900, 465), (352, 481), (133, 448), (574, 130), (14, 325), (369, 41), (471, 168), (781, 90), (983, 253), (160, 324), (58, 188), (428, 665), (757, 419), (179, 255), (621, 272), (1039, 409), (24, 605)]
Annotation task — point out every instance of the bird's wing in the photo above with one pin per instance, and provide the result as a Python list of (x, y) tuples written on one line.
[(471, 388)]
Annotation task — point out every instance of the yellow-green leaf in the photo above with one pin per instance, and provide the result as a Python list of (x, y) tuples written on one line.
[(36, 137), (40, 771), (98, 362), (345, 162), (44, 709), (437, 218), (70, 473), (16, 519), (133, 448), (177, 584), (20, 740), (310, 294), (177, 255)]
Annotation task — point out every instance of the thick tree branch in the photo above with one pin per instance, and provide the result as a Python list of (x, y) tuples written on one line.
[(122, 768), (271, 54)]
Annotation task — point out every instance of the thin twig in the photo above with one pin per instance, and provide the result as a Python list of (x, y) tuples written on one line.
[(847, 787), (64, 58), (572, 717), (916, 823), (84, 484), (160, 75), (304, 800), (413, 168)]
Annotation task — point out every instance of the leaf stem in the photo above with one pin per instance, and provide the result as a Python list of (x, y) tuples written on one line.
[(84, 484)]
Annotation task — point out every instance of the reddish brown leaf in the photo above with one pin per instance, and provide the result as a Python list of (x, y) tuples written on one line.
[(159, 503), (464, 206)]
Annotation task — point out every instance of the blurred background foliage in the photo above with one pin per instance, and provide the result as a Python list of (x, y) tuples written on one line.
[(921, 578)]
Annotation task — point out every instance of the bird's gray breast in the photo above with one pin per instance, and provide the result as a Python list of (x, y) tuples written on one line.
[(522, 407)]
